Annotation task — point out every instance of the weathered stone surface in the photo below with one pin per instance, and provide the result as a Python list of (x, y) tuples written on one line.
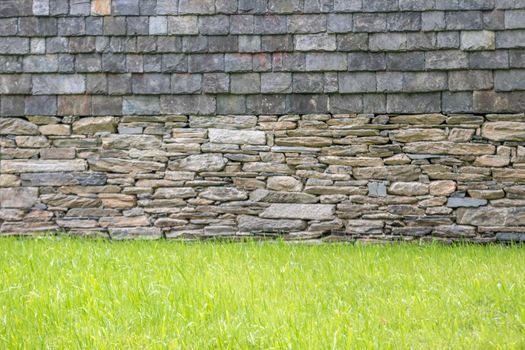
[(131, 141), (392, 173), (420, 119), (442, 187), (408, 189), (504, 131), (261, 195), (63, 179), (376, 189), (200, 162), (284, 183), (456, 202), (174, 192), (492, 161), (223, 194), (239, 137), (18, 197), (93, 125), (37, 166), (413, 135), (7, 180), (364, 227), (65, 201), (254, 224), (452, 148), (299, 211), (489, 216), (15, 126), (126, 233), (116, 165)]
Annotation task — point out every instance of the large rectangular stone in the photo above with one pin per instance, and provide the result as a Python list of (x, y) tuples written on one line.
[(63, 84), (187, 104), (36, 166), (299, 211), (15, 84), (18, 197), (240, 137), (63, 179), (413, 103)]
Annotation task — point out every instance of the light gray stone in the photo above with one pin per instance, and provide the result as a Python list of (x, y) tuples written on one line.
[(459, 202), (35, 166), (199, 162), (299, 211), (240, 137), (18, 197)]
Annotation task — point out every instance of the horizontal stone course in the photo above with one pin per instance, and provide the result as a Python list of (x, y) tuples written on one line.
[(325, 176)]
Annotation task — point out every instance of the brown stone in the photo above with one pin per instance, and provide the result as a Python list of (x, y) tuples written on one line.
[(74, 105), (117, 201), (116, 165), (55, 129), (93, 125), (57, 153), (413, 135), (492, 161), (504, 131), (408, 189), (101, 7), (124, 221), (31, 141), (7, 180), (284, 183), (442, 187), (392, 173)]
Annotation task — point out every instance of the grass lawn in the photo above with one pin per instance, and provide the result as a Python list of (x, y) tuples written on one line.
[(67, 294)]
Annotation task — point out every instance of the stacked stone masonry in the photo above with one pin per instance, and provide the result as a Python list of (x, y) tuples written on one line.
[(333, 119), (335, 177)]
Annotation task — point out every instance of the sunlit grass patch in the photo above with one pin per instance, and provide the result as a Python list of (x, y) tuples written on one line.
[(99, 294)]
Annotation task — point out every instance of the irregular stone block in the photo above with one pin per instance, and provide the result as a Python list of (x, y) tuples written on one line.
[(223, 194), (254, 224), (237, 136), (37, 166), (376, 189), (15, 126), (261, 195), (458, 202), (504, 131), (18, 197), (199, 162), (442, 188), (92, 125), (299, 211), (63, 179), (126, 233), (445, 147), (489, 216), (284, 183), (144, 142), (408, 189), (116, 165), (392, 173)]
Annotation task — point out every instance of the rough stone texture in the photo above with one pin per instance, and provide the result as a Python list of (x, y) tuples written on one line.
[(159, 57), (458, 177), (191, 119)]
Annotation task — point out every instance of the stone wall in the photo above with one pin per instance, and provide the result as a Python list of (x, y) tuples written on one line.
[(370, 119), (339, 177)]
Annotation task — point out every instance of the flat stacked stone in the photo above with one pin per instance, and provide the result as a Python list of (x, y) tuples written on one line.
[(313, 176)]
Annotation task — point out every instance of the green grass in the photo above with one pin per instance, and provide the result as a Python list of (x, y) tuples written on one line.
[(68, 294)]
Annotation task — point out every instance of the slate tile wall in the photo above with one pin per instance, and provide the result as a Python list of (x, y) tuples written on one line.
[(230, 56)]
